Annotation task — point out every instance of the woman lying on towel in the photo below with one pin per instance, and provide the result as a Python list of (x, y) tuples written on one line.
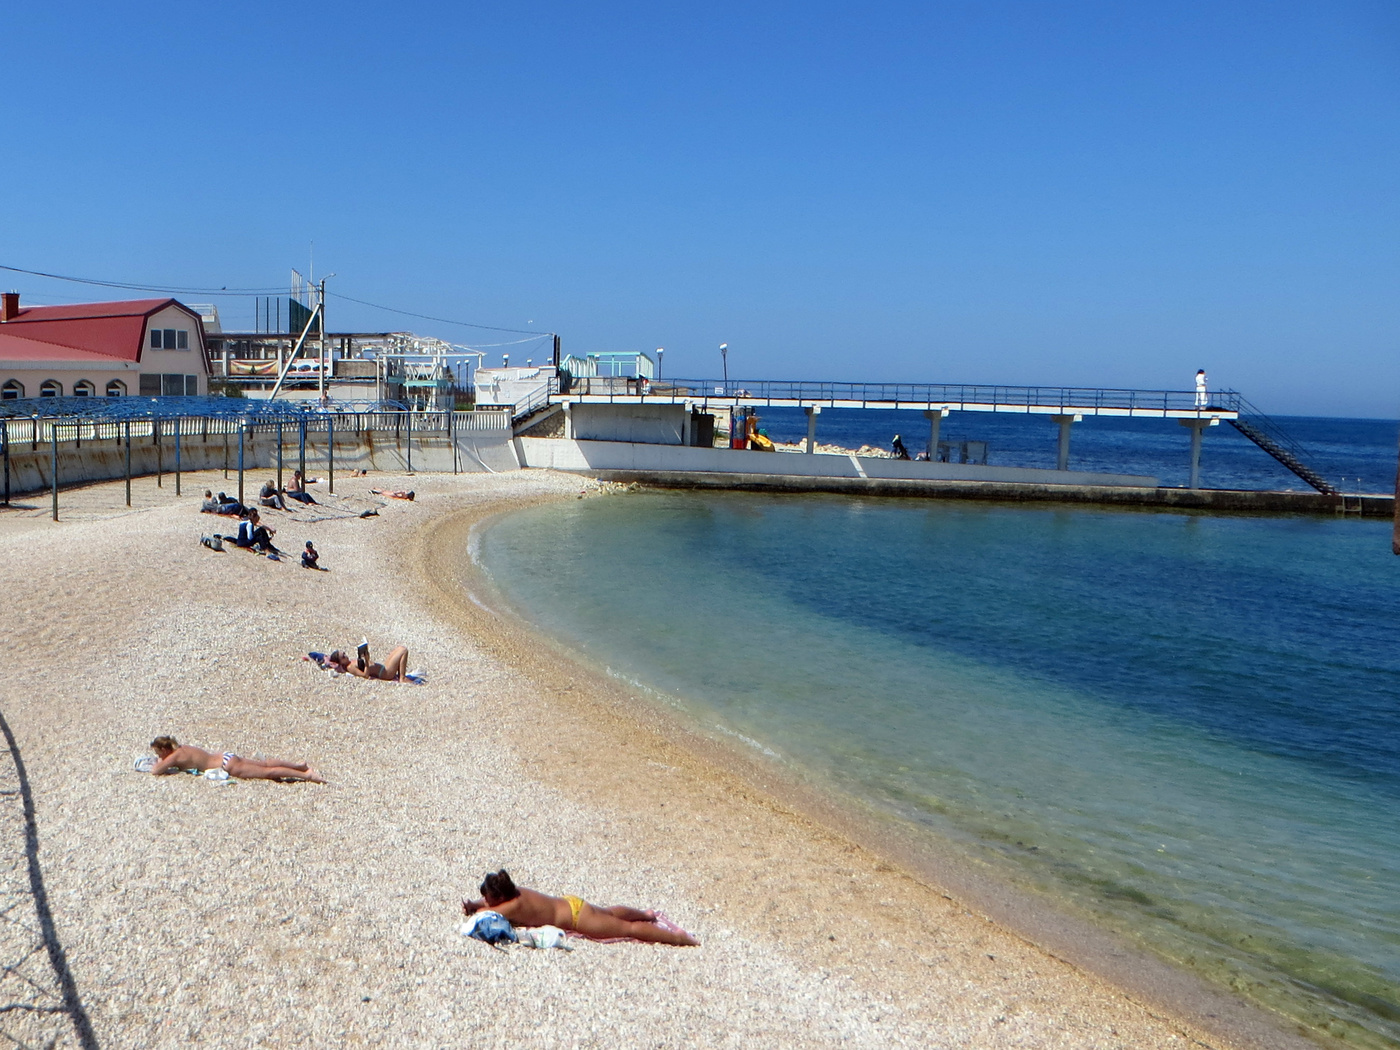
[(393, 669), (524, 907), (175, 757), (393, 493)]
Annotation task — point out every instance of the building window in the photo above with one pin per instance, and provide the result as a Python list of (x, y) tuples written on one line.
[(13, 390), (191, 386), (172, 385), (170, 339), (50, 388), (116, 388), (150, 385), (82, 388)]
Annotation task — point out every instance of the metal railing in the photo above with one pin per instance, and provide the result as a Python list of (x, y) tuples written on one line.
[(954, 395)]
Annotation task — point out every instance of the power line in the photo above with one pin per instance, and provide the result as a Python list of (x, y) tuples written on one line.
[(131, 287), (251, 292), (441, 320)]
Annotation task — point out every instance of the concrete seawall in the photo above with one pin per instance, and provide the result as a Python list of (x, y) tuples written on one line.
[(31, 466), (1230, 500), (666, 466)]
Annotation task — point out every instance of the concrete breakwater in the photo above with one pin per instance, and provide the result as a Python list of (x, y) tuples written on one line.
[(32, 462), (1235, 500)]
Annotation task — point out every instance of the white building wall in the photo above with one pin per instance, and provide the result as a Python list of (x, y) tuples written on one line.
[(188, 362), (643, 424)]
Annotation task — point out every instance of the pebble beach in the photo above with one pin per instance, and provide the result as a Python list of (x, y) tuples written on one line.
[(258, 914)]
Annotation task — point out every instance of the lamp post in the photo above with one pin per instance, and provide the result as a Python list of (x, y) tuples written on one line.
[(659, 351), (724, 360)]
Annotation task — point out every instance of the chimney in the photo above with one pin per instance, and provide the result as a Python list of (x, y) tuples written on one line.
[(9, 306)]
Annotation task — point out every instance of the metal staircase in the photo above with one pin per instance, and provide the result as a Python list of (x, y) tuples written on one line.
[(1269, 436)]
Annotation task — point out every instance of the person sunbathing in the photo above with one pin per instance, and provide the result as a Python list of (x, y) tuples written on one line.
[(175, 757), (393, 493), (393, 669), (253, 535), (524, 907), (268, 496), (297, 489)]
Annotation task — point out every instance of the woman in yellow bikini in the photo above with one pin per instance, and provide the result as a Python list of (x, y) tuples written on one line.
[(524, 907)]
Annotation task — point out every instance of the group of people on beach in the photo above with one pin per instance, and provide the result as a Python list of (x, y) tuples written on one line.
[(518, 905), (252, 534)]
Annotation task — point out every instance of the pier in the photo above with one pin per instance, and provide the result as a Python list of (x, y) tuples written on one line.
[(1063, 406)]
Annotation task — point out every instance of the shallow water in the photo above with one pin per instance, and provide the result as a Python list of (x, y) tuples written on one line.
[(1183, 726)]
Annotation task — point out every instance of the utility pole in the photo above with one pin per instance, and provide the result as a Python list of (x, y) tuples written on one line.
[(323, 342)]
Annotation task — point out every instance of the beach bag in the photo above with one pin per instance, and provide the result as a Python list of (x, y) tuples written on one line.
[(491, 927)]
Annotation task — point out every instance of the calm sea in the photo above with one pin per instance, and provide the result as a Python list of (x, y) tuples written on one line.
[(1357, 455), (1184, 727)]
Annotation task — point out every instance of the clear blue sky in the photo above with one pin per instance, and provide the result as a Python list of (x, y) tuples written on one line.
[(1079, 193)]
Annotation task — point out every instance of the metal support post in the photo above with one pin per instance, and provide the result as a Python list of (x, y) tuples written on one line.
[(935, 423), (1062, 455), (452, 437), (301, 449), (53, 438), (1197, 427), (812, 412), (330, 455), (178, 428), (1394, 533), (126, 433), (242, 431), (279, 453), (409, 421), (5, 436), (156, 426)]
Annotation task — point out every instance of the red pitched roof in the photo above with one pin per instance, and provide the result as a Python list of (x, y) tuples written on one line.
[(110, 329), (18, 348)]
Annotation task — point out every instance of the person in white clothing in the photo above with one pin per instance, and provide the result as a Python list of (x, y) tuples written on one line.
[(1202, 399)]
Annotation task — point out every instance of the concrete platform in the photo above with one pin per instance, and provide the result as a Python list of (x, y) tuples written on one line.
[(1245, 501)]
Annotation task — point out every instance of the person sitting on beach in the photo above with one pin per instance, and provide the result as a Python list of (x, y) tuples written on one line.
[(393, 493), (210, 504), (393, 669), (175, 757), (268, 496), (297, 489), (310, 557), (228, 505), (524, 907), (254, 536)]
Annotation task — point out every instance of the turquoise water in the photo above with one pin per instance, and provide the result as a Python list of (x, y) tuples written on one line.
[(1185, 727)]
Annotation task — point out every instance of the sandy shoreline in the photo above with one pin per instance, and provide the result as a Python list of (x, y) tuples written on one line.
[(272, 915)]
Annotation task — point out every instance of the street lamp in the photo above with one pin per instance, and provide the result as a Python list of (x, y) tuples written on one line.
[(724, 359), (659, 351)]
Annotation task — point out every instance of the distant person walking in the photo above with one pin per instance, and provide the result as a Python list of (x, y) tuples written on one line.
[(900, 452), (1202, 398)]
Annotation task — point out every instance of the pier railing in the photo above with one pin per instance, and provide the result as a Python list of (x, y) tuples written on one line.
[(953, 395)]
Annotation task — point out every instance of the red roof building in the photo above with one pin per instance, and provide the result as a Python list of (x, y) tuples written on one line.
[(147, 347)]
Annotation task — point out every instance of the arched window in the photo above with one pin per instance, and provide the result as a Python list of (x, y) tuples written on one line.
[(13, 390), (116, 388), (50, 388), (82, 388)]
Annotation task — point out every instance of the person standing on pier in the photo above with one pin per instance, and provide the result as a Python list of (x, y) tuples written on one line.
[(1202, 398)]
